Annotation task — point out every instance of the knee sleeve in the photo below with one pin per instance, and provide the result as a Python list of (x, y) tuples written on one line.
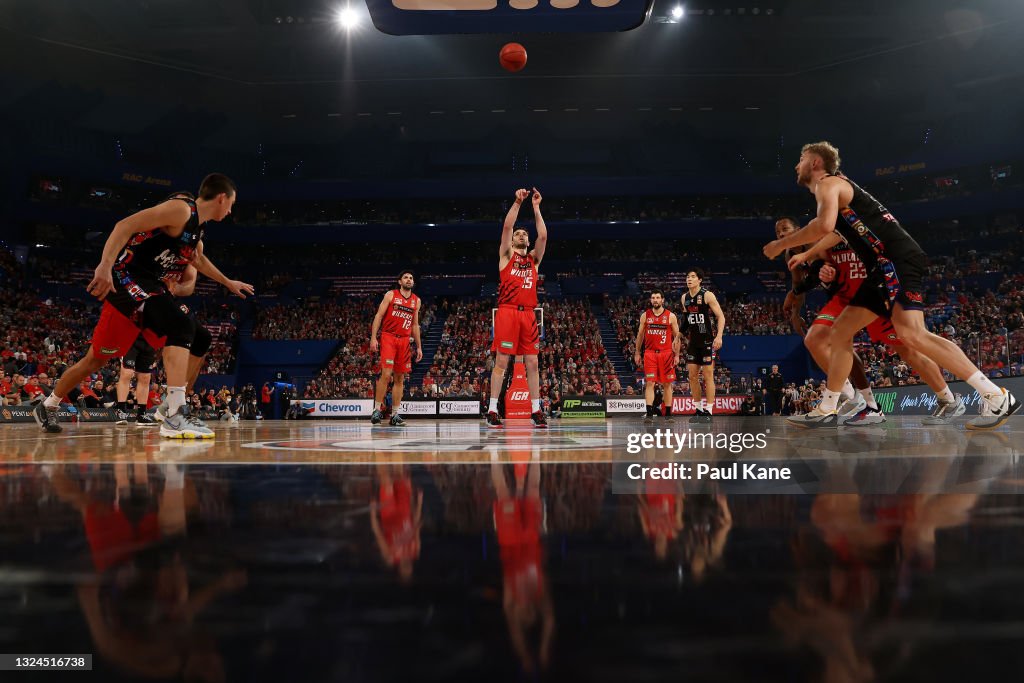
[(201, 341)]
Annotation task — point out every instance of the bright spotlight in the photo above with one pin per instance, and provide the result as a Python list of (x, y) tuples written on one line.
[(348, 18), (677, 12)]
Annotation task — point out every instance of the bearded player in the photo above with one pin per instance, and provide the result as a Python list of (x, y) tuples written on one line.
[(516, 332), (661, 352), (397, 317)]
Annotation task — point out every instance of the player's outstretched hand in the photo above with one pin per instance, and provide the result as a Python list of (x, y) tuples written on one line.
[(522, 194), (102, 282), (240, 289), (772, 249), (536, 198)]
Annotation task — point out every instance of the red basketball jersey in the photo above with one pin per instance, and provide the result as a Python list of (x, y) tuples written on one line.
[(850, 270), (658, 332), (517, 282), (398, 320)]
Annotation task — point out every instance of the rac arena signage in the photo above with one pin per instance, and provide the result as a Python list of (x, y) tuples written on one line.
[(425, 17)]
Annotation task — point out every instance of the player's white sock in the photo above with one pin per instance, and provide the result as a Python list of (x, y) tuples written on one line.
[(703, 404), (829, 400), (535, 405), (984, 386), (848, 392), (493, 407), (52, 401), (946, 396), (710, 407), (869, 397), (175, 399)]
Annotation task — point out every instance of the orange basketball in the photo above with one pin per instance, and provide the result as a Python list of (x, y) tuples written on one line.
[(512, 57)]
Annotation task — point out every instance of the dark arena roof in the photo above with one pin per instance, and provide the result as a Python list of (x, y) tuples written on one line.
[(726, 86)]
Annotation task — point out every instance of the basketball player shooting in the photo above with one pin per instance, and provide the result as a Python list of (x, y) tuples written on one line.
[(516, 332)]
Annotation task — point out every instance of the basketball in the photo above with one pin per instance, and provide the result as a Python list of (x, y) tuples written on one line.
[(512, 57)]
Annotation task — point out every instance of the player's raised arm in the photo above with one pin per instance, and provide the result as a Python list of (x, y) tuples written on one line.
[(505, 248), (382, 310), (542, 229)]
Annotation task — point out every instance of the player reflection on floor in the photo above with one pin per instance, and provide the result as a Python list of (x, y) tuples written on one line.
[(695, 524), (139, 606), (396, 518), (519, 523), (860, 564)]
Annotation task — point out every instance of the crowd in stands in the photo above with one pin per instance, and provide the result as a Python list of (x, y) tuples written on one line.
[(890, 189)]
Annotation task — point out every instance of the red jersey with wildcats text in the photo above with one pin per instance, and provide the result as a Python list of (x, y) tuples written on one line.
[(517, 284), (850, 270), (401, 314), (658, 331)]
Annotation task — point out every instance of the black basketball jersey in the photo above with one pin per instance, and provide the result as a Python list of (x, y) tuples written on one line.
[(872, 231), (152, 256), (698, 313)]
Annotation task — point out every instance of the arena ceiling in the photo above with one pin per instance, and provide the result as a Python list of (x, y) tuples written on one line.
[(228, 70)]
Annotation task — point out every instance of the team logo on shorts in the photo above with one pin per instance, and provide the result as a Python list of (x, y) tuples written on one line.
[(108, 352), (707, 359), (915, 297), (507, 345), (389, 362), (650, 374)]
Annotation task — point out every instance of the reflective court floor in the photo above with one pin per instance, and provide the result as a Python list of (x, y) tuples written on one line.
[(333, 551)]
